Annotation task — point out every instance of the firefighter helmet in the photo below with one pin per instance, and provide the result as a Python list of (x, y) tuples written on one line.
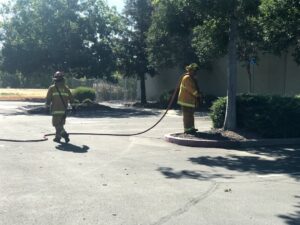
[(193, 67), (58, 76)]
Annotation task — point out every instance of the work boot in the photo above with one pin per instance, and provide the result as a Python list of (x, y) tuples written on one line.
[(66, 137), (195, 130), (56, 139), (191, 131)]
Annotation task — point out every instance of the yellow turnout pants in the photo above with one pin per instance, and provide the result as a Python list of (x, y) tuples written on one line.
[(188, 118), (58, 121)]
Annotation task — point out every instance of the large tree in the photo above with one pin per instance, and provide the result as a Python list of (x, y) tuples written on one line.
[(280, 21), (217, 29), (133, 59), (70, 35), (170, 35)]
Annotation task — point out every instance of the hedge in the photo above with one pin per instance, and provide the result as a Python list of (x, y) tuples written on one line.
[(268, 116), (83, 93)]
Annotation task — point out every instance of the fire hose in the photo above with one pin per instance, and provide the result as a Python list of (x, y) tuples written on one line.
[(45, 138)]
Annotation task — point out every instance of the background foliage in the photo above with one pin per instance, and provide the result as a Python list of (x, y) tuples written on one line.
[(269, 116), (86, 38)]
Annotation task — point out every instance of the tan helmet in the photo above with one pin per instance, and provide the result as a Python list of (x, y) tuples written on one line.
[(58, 76), (193, 67)]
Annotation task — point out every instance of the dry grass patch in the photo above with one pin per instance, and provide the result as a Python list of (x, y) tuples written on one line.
[(10, 94)]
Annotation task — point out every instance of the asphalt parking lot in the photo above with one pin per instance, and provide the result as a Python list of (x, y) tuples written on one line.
[(140, 180)]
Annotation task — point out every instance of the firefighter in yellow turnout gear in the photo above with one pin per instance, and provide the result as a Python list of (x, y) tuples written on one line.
[(188, 98), (58, 98)]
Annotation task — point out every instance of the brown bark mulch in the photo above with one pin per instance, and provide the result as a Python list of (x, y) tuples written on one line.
[(220, 135)]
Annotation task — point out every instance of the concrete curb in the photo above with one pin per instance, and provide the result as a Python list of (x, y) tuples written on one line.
[(230, 144)]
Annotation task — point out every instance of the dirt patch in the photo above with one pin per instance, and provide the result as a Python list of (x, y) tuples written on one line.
[(88, 107), (221, 135)]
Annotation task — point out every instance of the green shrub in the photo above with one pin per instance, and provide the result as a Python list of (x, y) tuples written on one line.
[(83, 93), (87, 101), (268, 116), (218, 112)]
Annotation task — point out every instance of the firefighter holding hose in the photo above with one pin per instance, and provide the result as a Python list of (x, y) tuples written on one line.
[(189, 98), (58, 98)]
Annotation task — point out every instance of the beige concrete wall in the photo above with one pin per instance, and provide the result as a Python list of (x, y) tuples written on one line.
[(269, 78), (272, 75), (166, 80)]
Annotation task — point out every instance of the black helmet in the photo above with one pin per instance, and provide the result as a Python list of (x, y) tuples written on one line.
[(58, 76)]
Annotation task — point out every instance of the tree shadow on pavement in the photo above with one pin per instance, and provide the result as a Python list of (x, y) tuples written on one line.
[(72, 148), (261, 161), (293, 218), (170, 173), (285, 160)]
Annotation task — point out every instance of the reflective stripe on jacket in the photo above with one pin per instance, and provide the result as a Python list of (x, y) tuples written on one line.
[(188, 92), (54, 100)]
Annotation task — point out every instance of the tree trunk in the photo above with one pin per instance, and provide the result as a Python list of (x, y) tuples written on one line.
[(230, 116), (285, 72), (143, 89), (249, 77)]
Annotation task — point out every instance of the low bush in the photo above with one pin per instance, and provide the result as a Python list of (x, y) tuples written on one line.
[(268, 116), (218, 110), (83, 93)]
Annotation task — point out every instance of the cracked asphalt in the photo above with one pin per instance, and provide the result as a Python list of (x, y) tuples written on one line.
[(142, 180)]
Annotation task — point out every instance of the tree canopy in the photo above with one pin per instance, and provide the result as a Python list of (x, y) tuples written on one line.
[(184, 29), (280, 21), (70, 35), (87, 38), (170, 35)]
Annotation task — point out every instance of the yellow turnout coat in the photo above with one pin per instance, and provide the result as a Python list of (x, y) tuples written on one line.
[(59, 104), (188, 92)]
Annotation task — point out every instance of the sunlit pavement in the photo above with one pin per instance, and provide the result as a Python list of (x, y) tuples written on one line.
[(139, 180)]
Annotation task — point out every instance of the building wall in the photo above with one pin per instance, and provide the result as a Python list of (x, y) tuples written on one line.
[(269, 78)]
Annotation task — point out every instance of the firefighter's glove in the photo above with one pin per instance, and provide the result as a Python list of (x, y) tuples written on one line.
[(74, 109), (199, 101), (47, 110)]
